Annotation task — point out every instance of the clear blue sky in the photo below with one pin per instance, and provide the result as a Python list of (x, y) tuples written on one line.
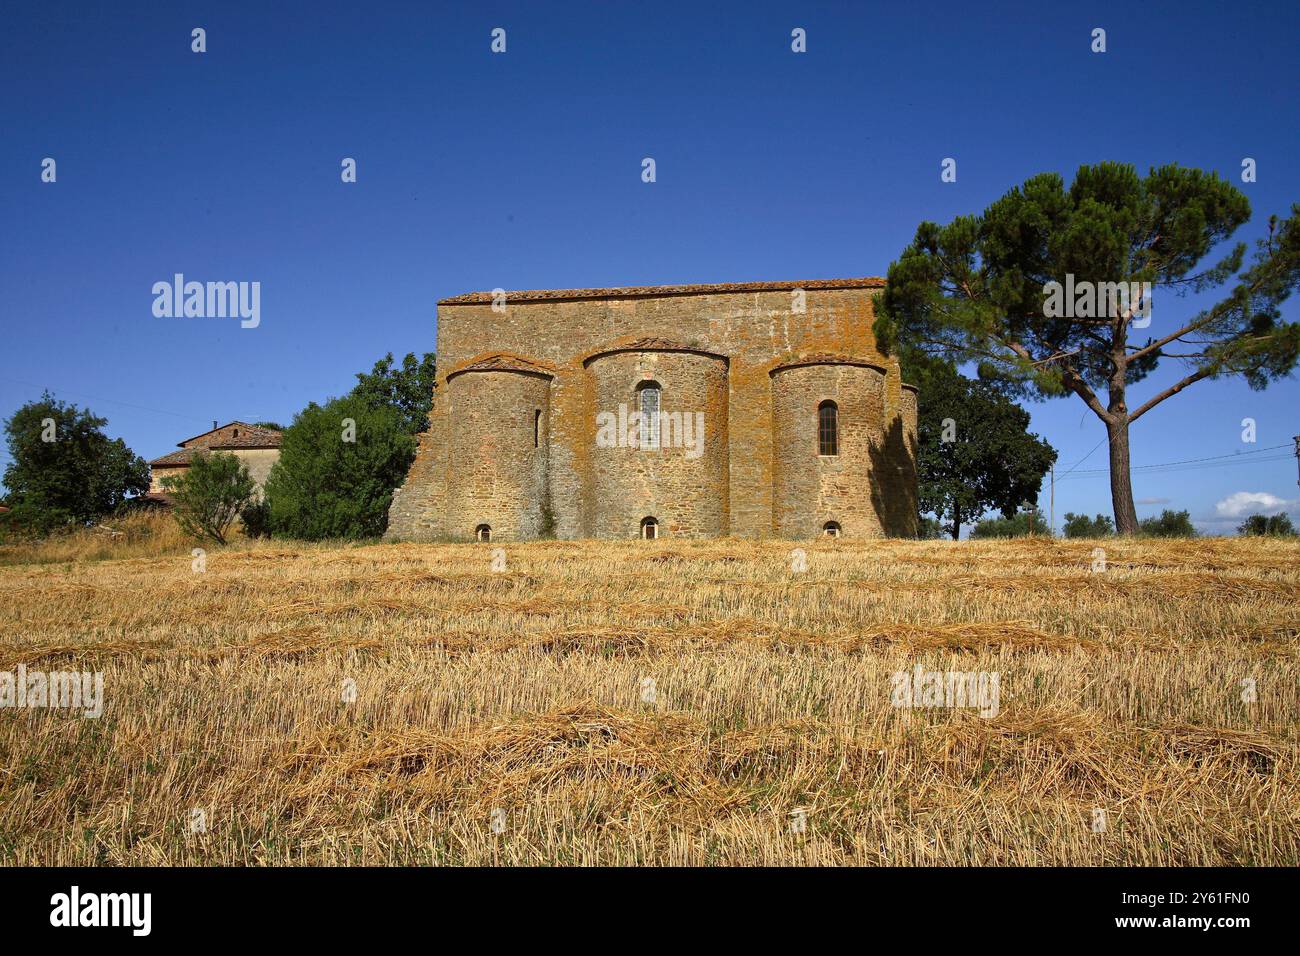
[(522, 170)]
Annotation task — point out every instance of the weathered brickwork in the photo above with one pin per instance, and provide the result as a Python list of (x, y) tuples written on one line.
[(743, 355)]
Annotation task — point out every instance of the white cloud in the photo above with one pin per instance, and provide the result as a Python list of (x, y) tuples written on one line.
[(1241, 503)]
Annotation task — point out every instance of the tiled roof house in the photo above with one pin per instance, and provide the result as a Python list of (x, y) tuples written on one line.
[(258, 448)]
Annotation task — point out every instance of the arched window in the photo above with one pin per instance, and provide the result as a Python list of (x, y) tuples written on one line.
[(828, 428), (483, 532), (649, 528), (648, 393), (831, 529), (537, 428)]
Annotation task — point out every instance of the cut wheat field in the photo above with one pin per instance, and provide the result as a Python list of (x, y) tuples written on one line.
[(410, 704)]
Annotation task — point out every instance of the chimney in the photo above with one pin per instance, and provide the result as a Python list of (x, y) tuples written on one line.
[(214, 424)]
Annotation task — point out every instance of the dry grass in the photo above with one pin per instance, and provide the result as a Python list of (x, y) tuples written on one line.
[(519, 692), (138, 535)]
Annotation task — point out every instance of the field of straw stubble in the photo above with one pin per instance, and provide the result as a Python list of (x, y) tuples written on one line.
[(501, 716)]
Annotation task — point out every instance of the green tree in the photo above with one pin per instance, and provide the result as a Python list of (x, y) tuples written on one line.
[(1081, 526), (980, 289), (1016, 526), (1170, 524), (339, 464), (975, 452), (408, 390), (1277, 526), (64, 469), (206, 499)]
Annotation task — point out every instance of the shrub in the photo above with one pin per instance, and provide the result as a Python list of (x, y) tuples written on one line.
[(212, 492), (1274, 526), (1017, 526), (1081, 526), (255, 519), (1170, 524)]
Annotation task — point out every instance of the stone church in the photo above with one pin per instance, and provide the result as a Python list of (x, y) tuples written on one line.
[(755, 409)]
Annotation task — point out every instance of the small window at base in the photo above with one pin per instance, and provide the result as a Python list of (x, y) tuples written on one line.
[(483, 532)]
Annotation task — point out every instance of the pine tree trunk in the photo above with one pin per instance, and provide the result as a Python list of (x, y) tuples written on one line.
[(1121, 481)]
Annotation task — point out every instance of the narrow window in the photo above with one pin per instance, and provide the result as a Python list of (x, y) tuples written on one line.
[(649, 408), (236, 434), (537, 428), (831, 529), (483, 532), (828, 429), (649, 528)]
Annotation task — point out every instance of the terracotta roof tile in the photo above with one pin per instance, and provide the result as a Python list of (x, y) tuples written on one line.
[(175, 458), (651, 291), (250, 436)]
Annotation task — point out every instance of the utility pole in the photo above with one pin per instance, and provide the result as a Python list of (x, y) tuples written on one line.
[(1029, 512), (1053, 497), (1296, 439)]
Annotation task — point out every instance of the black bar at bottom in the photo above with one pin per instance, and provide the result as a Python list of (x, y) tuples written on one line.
[(329, 906)]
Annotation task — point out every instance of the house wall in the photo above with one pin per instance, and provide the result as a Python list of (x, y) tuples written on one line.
[(258, 461)]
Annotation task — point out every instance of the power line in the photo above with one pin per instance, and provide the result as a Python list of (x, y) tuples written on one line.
[(1186, 461), (1190, 461), (113, 401), (1173, 468), (1084, 458)]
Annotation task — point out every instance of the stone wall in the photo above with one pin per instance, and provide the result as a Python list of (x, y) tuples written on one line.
[(576, 335), (811, 489), (682, 483), (498, 457), (157, 473)]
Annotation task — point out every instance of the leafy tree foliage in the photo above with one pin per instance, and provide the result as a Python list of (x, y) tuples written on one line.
[(929, 529), (408, 389), (1017, 526), (1170, 524), (64, 469), (210, 494), (1278, 526), (977, 290), (339, 464), (975, 452), (1081, 526)]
